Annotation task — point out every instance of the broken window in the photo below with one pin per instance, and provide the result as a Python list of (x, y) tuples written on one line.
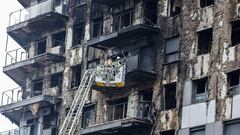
[(172, 50), (233, 82), (169, 96), (200, 90), (78, 35), (76, 76), (56, 80), (169, 132), (151, 12), (205, 3), (232, 128), (204, 41), (41, 47), (88, 116), (174, 7), (97, 27), (235, 33), (197, 131), (144, 104), (58, 39), (117, 110), (49, 121), (122, 20), (37, 87)]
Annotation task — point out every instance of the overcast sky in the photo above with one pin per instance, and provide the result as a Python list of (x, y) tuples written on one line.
[(6, 7)]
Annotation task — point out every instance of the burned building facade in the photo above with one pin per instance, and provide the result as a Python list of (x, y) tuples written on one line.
[(181, 78)]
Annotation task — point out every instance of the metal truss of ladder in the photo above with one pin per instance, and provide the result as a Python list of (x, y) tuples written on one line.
[(72, 119)]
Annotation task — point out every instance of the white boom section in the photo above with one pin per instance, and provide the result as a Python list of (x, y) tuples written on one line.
[(72, 119)]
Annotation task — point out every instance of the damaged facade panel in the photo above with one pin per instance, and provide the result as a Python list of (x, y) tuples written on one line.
[(181, 59)]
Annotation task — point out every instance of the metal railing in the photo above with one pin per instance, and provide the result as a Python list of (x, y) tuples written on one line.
[(118, 22), (22, 54), (118, 112), (19, 94), (36, 10), (11, 96), (16, 55), (11, 132)]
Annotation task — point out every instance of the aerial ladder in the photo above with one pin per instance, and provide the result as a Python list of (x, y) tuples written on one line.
[(110, 75)]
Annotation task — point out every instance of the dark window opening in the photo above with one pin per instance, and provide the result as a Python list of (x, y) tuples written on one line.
[(197, 131), (76, 76), (37, 87), (41, 47), (169, 132), (123, 20), (205, 3), (97, 10), (145, 104), (50, 121), (151, 12), (78, 35), (169, 95), (56, 80), (233, 82), (233, 78), (97, 27), (172, 50), (205, 41), (117, 110), (88, 116), (200, 90), (33, 125), (79, 14), (58, 2), (175, 7), (235, 33), (58, 39)]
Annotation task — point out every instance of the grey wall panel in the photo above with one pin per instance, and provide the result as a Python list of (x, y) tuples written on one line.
[(218, 130), (184, 131), (187, 94), (210, 129)]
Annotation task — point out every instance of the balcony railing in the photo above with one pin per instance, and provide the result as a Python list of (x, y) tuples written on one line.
[(11, 132), (19, 94), (119, 22), (36, 10), (11, 96), (118, 112), (22, 54)]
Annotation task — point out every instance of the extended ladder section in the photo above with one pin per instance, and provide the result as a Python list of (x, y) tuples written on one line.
[(72, 119)]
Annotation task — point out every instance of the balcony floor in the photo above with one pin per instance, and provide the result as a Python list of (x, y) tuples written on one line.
[(20, 32), (18, 71), (116, 126), (13, 111), (122, 37)]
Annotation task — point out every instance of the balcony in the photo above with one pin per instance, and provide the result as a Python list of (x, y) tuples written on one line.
[(19, 62), (13, 101), (27, 130), (36, 19), (109, 3), (120, 30), (117, 120), (140, 65)]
